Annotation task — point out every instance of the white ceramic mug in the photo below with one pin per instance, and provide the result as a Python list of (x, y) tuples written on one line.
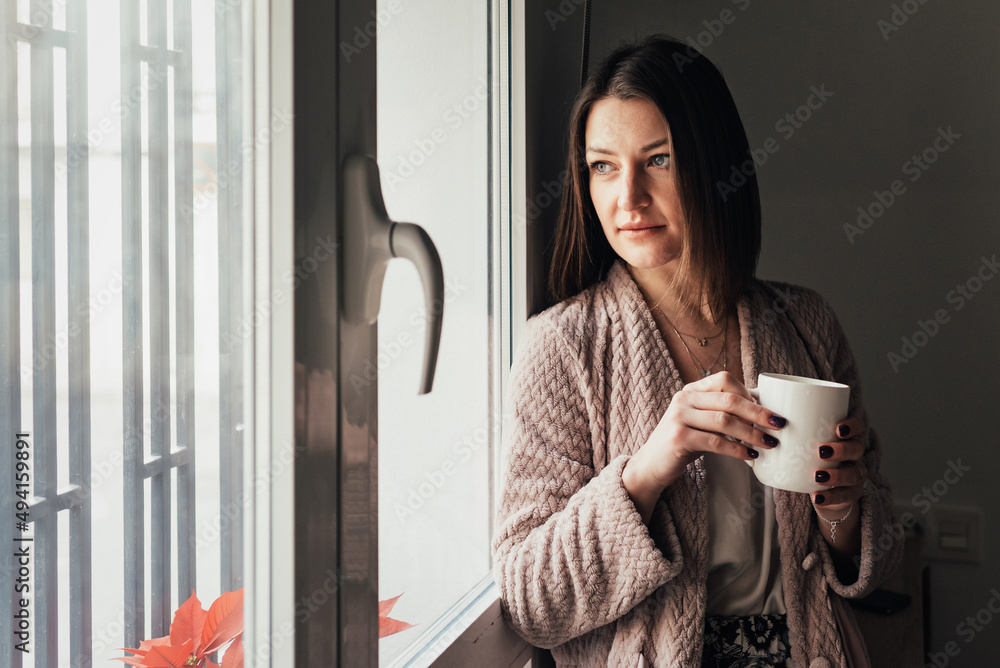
[(813, 408)]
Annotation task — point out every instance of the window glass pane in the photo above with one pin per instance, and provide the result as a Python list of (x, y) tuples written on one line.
[(434, 450), (127, 306)]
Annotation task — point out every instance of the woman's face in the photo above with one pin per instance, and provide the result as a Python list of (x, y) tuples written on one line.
[(632, 181)]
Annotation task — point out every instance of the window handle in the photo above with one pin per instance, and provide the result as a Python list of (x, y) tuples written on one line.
[(370, 241)]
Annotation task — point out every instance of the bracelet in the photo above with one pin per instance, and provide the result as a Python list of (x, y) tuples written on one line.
[(834, 523)]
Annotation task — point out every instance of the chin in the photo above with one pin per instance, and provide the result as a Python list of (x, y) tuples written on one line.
[(646, 258)]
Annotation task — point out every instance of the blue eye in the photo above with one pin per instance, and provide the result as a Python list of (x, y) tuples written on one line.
[(596, 167), (661, 160)]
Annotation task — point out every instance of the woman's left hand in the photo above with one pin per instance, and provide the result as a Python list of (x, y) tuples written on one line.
[(848, 481), (836, 505)]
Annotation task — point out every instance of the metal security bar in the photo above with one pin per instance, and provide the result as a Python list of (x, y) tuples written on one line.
[(132, 352), (229, 142), (10, 312), (78, 243), (47, 500), (184, 269), (168, 69), (43, 331)]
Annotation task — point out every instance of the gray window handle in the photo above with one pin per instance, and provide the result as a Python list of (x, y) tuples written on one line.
[(370, 241)]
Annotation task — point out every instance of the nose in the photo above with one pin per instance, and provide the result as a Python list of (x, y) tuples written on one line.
[(633, 194)]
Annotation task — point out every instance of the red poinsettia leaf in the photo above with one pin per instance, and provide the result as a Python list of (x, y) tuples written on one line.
[(137, 652), (142, 651), (385, 607), (234, 655), (387, 626), (169, 656), (224, 621), (146, 645), (187, 624)]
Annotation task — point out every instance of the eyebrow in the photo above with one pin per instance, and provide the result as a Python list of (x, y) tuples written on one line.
[(647, 147)]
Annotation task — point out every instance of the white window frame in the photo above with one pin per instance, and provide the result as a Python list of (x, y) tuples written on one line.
[(269, 541)]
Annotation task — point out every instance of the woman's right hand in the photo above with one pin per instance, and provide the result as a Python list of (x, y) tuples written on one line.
[(698, 419)]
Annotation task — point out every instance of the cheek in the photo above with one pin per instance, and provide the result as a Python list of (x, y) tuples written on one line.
[(602, 196), (670, 202)]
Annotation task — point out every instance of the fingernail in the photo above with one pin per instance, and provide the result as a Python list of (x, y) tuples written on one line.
[(843, 431), (752, 454), (770, 440), (822, 476), (825, 451), (777, 422), (820, 499)]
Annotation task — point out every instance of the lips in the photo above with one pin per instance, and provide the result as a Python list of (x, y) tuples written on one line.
[(637, 225), (632, 227)]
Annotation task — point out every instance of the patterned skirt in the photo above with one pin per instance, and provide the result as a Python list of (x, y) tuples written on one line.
[(752, 641)]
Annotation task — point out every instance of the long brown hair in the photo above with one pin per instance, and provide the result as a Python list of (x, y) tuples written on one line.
[(716, 175)]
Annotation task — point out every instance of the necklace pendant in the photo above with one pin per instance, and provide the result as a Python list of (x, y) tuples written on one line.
[(702, 342), (704, 373)]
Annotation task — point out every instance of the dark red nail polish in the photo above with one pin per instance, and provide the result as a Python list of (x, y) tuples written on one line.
[(825, 451), (843, 431), (777, 422), (822, 476), (770, 440), (752, 454), (820, 499)]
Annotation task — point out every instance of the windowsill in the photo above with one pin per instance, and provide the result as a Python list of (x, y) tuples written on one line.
[(473, 632)]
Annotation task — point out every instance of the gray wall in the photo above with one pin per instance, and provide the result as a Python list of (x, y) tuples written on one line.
[(890, 97)]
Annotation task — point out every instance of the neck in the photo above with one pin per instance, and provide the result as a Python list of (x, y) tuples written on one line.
[(655, 285)]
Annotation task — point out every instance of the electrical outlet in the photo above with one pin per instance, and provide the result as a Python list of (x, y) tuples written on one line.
[(954, 533)]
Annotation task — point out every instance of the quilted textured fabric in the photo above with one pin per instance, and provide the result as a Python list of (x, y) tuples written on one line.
[(578, 570)]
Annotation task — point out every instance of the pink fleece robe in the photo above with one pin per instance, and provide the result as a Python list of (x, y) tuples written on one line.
[(577, 569)]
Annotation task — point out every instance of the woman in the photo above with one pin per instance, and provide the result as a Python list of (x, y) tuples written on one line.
[(629, 532)]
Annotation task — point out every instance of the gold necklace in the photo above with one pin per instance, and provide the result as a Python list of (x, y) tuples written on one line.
[(723, 353), (702, 340)]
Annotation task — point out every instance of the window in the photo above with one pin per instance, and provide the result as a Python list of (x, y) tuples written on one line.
[(439, 132), (125, 317), (435, 450), (189, 391)]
